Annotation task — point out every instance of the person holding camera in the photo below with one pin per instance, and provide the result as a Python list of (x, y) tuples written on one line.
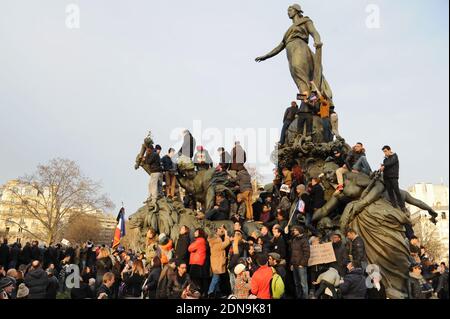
[(218, 257)]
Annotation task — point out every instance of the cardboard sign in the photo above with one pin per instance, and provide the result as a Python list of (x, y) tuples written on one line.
[(65, 242), (321, 254)]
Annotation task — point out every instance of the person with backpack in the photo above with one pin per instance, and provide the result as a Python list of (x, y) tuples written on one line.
[(278, 276), (261, 280)]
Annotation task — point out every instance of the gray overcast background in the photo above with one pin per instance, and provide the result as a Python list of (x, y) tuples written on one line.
[(91, 94)]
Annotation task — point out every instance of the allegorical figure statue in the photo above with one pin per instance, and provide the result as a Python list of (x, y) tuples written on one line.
[(305, 66)]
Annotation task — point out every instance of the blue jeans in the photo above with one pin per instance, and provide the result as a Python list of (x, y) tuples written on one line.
[(283, 132), (362, 165), (301, 282), (214, 286), (327, 133)]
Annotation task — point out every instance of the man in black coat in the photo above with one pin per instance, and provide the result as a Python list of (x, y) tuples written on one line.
[(153, 160), (105, 290), (341, 253), (221, 210), (300, 252), (35, 251), (37, 281), (25, 255), (278, 242), (187, 149), (357, 248), (289, 117), (4, 254), (14, 255), (354, 285), (184, 240), (390, 169)]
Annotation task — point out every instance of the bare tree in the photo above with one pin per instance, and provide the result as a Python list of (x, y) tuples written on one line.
[(56, 192), (82, 228), (429, 238)]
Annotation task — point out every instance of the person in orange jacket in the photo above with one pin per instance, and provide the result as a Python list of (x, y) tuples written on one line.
[(199, 268)]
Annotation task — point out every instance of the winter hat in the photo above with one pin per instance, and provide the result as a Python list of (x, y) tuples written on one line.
[(163, 239), (91, 282), (275, 256), (414, 265), (22, 291), (6, 282), (285, 188), (239, 269)]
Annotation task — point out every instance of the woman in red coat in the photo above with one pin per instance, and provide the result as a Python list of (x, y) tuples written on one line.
[(199, 261)]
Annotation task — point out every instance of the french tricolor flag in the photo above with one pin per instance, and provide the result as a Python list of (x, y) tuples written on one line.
[(120, 229)]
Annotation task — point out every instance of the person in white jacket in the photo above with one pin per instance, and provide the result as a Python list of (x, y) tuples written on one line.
[(330, 280)]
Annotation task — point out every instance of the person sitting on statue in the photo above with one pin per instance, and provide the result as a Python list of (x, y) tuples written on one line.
[(289, 117), (305, 117), (221, 210), (202, 159), (355, 161), (243, 182)]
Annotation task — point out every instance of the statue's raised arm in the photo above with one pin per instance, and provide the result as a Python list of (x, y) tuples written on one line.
[(304, 65), (272, 53)]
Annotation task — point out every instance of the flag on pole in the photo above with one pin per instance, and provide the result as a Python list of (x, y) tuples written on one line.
[(120, 229)]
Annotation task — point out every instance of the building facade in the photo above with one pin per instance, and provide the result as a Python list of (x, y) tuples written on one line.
[(18, 226), (436, 196)]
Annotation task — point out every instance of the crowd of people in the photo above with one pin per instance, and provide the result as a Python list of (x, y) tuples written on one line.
[(270, 263)]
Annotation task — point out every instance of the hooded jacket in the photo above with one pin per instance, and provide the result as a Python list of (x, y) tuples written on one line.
[(37, 281), (354, 285)]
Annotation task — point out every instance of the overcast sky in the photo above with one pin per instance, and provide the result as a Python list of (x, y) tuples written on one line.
[(91, 94)]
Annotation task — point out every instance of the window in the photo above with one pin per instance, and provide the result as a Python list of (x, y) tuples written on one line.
[(7, 230), (20, 230), (444, 215)]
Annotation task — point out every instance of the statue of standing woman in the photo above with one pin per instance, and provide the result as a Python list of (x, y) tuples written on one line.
[(305, 66)]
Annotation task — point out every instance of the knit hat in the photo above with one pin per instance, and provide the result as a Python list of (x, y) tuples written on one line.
[(163, 239), (22, 291), (285, 188), (239, 269), (6, 282), (414, 265)]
